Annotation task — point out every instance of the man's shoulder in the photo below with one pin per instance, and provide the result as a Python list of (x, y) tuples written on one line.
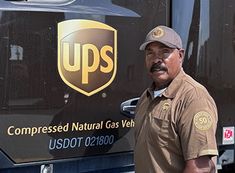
[(191, 87), (192, 83)]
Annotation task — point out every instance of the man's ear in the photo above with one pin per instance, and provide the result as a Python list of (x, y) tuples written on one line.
[(181, 54)]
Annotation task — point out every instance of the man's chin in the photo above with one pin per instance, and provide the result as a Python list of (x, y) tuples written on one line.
[(160, 78)]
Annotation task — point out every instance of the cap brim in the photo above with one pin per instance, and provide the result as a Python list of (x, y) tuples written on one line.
[(143, 46)]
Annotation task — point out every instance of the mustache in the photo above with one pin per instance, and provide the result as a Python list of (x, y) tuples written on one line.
[(157, 67)]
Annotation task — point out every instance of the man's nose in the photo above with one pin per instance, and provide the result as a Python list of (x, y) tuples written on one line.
[(157, 62), (157, 59)]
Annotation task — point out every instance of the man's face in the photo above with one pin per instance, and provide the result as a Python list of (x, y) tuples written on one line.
[(163, 63)]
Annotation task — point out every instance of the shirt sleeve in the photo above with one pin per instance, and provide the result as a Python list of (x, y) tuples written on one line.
[(197, 128)]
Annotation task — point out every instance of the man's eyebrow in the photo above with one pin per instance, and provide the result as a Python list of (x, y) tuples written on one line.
[(148, 49), (164, 47)]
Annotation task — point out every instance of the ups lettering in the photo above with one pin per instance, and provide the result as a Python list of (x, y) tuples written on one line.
[(81, 61)]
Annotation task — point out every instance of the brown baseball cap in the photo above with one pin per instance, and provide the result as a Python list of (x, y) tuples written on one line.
[(164, 35)]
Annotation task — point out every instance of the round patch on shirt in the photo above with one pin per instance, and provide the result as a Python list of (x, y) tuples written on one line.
[(202, 120)]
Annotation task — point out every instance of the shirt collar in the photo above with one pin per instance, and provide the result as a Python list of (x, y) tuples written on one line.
[(158, 93)]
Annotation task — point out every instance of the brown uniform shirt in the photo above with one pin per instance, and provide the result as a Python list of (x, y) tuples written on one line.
[(177, 126)]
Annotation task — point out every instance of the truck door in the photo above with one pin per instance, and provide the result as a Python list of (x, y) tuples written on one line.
[(3, 70)]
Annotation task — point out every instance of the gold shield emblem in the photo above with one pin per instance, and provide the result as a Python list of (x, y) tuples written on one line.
[(87, 55)]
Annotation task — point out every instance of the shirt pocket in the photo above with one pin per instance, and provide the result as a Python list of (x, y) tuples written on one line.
[(159, 133)]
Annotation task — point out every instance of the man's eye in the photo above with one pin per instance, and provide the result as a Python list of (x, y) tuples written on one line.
[(149, 53), (165, 55)]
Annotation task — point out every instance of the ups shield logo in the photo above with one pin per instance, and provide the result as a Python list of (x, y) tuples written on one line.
[(87, 55)]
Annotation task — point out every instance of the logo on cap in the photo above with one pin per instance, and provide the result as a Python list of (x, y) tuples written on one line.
[(158, 32), (87, 55)]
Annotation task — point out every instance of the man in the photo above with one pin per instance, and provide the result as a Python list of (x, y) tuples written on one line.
[(176, 118)]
